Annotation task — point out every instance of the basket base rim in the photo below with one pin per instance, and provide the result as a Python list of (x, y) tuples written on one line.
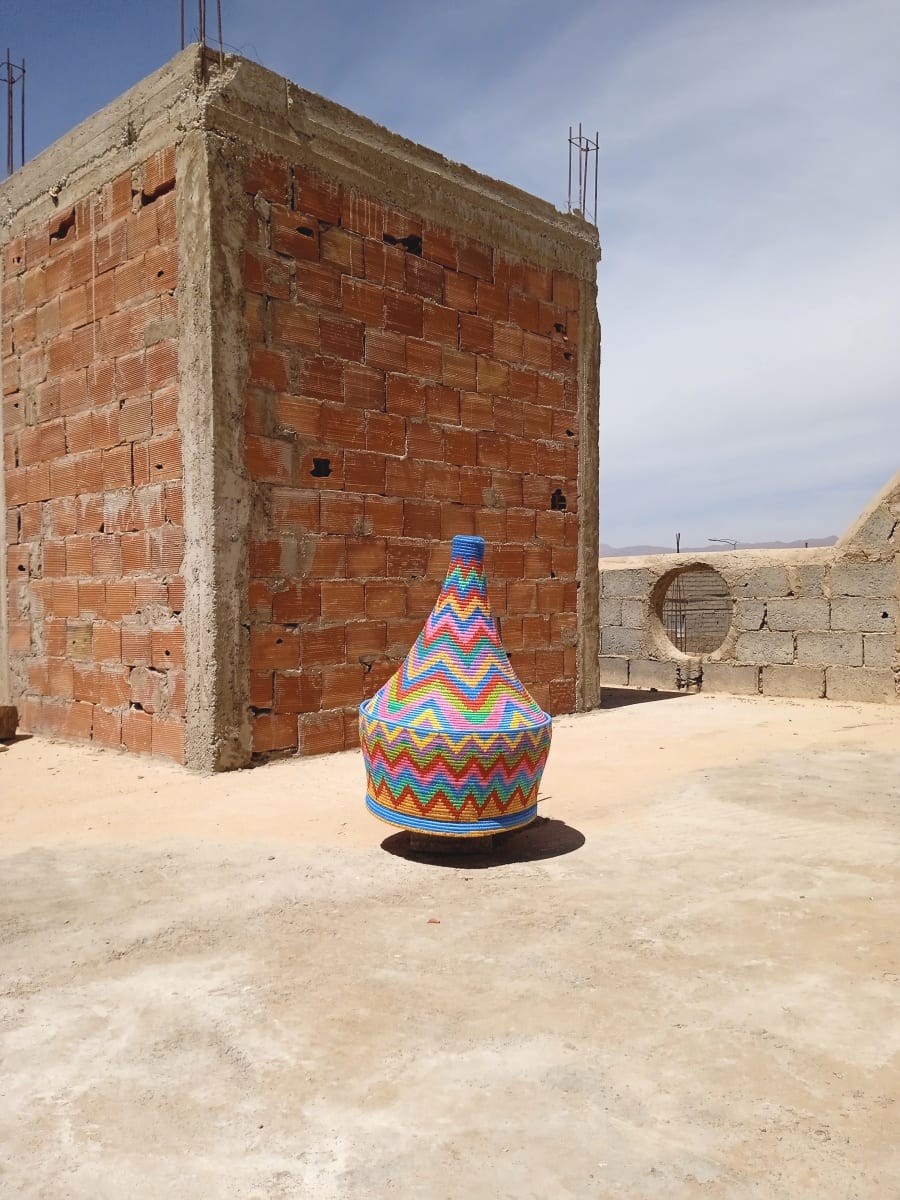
[(452, 829)]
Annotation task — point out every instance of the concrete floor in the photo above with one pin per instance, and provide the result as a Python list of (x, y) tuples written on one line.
[(682, 982)]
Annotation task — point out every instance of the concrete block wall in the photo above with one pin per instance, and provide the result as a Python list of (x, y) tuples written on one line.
[(92, 465), (806, 623), (369, 350)]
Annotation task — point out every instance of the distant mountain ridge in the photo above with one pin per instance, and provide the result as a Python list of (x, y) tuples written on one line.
[(607, 551)]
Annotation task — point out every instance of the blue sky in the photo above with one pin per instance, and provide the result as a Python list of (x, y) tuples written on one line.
[(749, 176)]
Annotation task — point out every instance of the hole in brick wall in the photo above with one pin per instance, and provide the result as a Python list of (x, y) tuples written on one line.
[(60, 231), (412, 244), (321, 468), (278, 641), (167, 653), (558, 501), (137, 706), (20, 567), (567, 356), (552, 574), (884, 616), (570, 433), (559, 327), (306, 231), (148, 197)]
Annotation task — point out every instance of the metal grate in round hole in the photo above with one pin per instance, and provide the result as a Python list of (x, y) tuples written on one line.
[(696, 610)]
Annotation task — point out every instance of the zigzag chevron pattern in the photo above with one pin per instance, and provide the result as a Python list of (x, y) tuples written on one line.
[(453, 743)]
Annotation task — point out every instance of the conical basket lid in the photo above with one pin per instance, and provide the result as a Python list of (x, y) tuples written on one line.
[(457, 675)]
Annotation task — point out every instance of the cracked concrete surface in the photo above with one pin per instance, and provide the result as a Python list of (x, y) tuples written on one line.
[(683, 982)]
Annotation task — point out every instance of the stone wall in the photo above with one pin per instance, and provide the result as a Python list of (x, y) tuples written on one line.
[(810, 623)]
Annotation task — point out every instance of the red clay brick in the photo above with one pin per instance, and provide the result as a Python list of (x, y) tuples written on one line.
[(423, 360), (342, 338), (79, 556), (167, 550), (366, 641), (475, 259), (421, 597), (490, 523), (298, 692), (342, 685), (459, 370), (274, 648), (268, 175), (117, 468), (321, 733), (440, 324), (119, 599), (294, 233), (294, 509), (385, 433), (318, 285), (385, 351), (107, 728), (329, 559), (342, 600), (261, 689), (322, 647), (403, 313), (297, 603), (472, 484), (424, 441), (106, 643), (476, 334), (344, 427), (456, 520), (421, 519), (385, 265), (366, 557), (364, 471), (362, 301), (421, 277), (363, 387), (274, 731), (407, 559), (341, 513), (269, 460), (165, 457), (167, 647), (266, 274), (167, 738), (384, 515), (439, 245), (137, 731)]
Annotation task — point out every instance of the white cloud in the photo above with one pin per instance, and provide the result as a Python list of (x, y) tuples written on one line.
[(749, 173)]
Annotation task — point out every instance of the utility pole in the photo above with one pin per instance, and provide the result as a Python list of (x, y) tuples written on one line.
[(13, 75)]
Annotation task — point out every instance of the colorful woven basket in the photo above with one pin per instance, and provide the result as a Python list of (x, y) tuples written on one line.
[(453, 744)]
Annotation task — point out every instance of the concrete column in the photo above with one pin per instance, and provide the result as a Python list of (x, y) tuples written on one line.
[(587, 688), (212, 373), (5, 697)]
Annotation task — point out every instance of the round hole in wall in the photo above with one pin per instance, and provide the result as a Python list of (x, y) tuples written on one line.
[(694, 606)]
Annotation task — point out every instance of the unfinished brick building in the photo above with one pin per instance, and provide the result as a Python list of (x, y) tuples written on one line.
[(262, 359)]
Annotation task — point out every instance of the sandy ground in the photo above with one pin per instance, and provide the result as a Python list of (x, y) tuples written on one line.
[(683, 981)]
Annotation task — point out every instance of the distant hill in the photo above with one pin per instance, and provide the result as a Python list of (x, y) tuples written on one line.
[(626, 551)]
